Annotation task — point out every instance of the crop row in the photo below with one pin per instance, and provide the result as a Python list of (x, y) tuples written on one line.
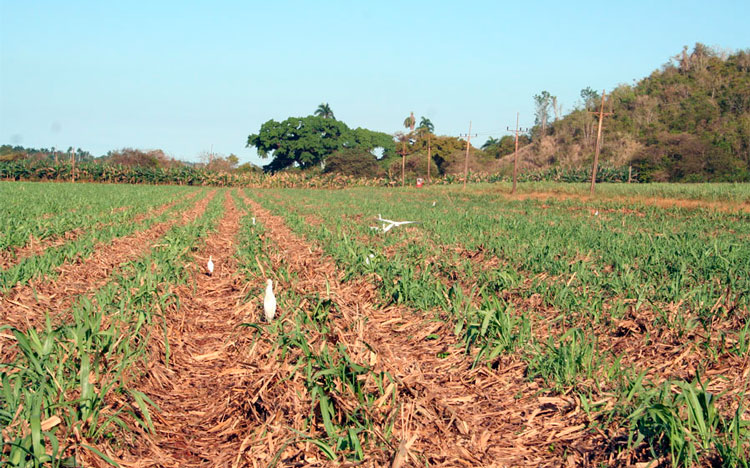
[(592, 265), (574, 257), (47, 210), (548, 283), (44, 264), (349, 411), (185, 175), (69, 387)]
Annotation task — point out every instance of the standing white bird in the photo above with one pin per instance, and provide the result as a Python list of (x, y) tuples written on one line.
[(210, 266), (433, 203), (253, 221), (269, 302)]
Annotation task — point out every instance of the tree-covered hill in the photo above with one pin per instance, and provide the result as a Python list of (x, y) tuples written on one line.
[(687, 121)]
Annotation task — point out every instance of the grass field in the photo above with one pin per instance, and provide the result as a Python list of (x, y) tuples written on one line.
[(546, 328)]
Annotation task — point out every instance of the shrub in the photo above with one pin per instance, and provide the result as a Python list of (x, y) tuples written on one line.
[(353, 162)]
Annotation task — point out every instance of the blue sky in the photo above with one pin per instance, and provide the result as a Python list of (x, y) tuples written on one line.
[(186, 76)]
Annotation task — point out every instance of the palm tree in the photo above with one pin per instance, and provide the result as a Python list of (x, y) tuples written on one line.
[(410, 122), (425, 126), (491, 141), (324, 110)]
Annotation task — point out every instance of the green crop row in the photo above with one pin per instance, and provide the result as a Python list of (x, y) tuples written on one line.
[(186, 175), (660, 257), (69, 388), (44, 264), (88, 210), (589, 267), (350, 412)]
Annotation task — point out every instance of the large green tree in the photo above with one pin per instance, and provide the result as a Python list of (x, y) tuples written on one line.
[(308, 141)]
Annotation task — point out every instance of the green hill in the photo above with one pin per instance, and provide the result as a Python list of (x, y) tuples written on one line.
[(687, 121)]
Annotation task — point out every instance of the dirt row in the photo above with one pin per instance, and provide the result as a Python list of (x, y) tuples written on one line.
[(718, 205), (34, 246), (26, 306), (635, 339), (203, 392), (456, 415), (226, 398)]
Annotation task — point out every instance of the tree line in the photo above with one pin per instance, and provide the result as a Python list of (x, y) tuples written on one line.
[(125, 157), (687, 121)]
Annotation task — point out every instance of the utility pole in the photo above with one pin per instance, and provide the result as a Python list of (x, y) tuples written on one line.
[(598, 142), (429, 156), (466, 162), (73, 166), (515, 154), (403, 163)]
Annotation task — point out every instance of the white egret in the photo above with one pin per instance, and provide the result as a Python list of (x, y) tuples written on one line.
[(269, 302), (210, 266), (388, 224)]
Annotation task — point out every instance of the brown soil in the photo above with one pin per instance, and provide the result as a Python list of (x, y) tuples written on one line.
[(636, 341), (725, 206), (205, 394), (227, 398), (25, 306), (455, 415)]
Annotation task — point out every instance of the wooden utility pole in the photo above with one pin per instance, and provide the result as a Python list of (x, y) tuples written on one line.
[(73, 166), (466, 163), (403, 163), (515, 154), (598, 142), (429, 156)]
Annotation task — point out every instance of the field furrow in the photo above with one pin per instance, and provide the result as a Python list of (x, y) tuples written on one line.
[(603, 340), (200, 393), (495, 331), (27, 306), (77, 376), (123, 215), (454, 414)]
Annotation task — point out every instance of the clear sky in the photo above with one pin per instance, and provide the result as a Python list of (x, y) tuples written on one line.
[(185, 75)]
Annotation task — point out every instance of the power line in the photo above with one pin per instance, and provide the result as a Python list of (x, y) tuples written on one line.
[(466, 163), (598, 139), (515, 157)]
